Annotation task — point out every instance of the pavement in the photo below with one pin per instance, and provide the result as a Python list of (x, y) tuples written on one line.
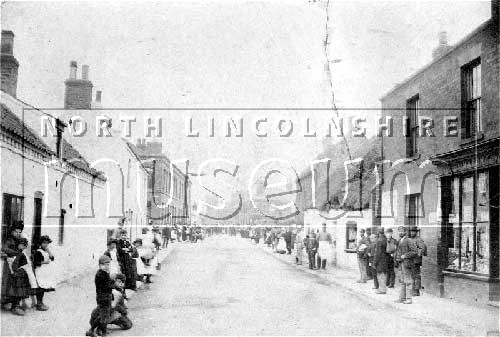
[(69, 308), (463, 319), (227, 286)]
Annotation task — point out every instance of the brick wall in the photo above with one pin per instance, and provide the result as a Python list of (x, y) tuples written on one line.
[(438, 86), (78, 94)]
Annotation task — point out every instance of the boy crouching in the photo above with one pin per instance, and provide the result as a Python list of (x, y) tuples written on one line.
[(104, 286)]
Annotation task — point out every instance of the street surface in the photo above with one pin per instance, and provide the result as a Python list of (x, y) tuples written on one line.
[(226, 286)]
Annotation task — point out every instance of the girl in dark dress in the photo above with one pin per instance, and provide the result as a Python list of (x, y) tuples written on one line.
[(126, 255), (9, 252), (21, 287)]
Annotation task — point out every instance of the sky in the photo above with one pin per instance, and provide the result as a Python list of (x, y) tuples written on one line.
[(231, 55)]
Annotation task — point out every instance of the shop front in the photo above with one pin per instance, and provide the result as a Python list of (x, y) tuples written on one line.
[(469, 222)]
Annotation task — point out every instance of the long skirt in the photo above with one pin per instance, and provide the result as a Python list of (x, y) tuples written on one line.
[(6, 282), (128, 270), (20, 285)]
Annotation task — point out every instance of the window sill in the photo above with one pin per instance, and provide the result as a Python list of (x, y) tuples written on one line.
[(470, 276), (413, 158), (350, 250), (471, 140)]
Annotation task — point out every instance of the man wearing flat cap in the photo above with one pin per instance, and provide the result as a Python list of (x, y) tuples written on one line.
[(405, 259), (421, 251), (380, 261)]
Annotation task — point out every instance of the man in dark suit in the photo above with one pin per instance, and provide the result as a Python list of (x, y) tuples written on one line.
[(405, 258), (392, 244), (421, 251), (380, 261)]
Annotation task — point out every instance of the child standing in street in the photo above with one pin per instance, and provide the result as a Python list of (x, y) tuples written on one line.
[(104, 286), (23, 279), (44, 271)]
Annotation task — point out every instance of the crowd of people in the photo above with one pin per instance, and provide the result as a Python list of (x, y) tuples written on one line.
[(124, 264), (26, 274), (379, 254)]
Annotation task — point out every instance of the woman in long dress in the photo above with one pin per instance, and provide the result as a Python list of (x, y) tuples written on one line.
[(124, 248)]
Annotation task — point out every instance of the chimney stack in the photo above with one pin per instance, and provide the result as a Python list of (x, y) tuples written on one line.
[(9, 64), (78, 92), (443, 46)]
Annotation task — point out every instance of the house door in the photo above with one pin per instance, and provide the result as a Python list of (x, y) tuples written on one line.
[(37, 222)]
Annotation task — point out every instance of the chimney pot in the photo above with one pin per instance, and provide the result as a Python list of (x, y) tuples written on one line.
[(85, 72), (443, 38), (72, 70)]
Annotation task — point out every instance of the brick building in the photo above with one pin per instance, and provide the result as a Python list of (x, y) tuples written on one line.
[(165, 180), (442, 176)]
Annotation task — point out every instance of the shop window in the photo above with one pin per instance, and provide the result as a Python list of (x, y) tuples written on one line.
[(13, 208), (351, 235), (471, 242)]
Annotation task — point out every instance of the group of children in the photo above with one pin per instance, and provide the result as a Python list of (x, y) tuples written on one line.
[(26, 275), (120, 267)]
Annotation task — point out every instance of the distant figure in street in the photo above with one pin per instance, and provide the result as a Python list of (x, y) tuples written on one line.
[(362, 251), (311, 248), (405, 259), (421, 251), (380, 261), (368, 267), (165, 233), (371, 256), (299, 246), (43, 261), (392, 245), (288, 240), (324, 247)]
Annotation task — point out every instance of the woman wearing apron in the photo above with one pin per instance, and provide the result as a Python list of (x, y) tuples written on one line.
[(44, 271)]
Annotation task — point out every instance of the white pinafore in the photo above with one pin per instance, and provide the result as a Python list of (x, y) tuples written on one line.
[(45, 274)]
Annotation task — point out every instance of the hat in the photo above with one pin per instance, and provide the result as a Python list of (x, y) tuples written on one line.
[(45, 238), (380, 230), (138, 241), (123, 231), (362, 230), (388, 230), (413, 229), (402, 228), (23, 241), (19, 224), (110, 241), (120, 276), (104, 259)]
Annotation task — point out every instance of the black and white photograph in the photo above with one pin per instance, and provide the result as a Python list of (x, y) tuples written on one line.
[(250, 168)]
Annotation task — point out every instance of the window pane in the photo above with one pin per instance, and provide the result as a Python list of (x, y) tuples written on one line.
[(467, 243)]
